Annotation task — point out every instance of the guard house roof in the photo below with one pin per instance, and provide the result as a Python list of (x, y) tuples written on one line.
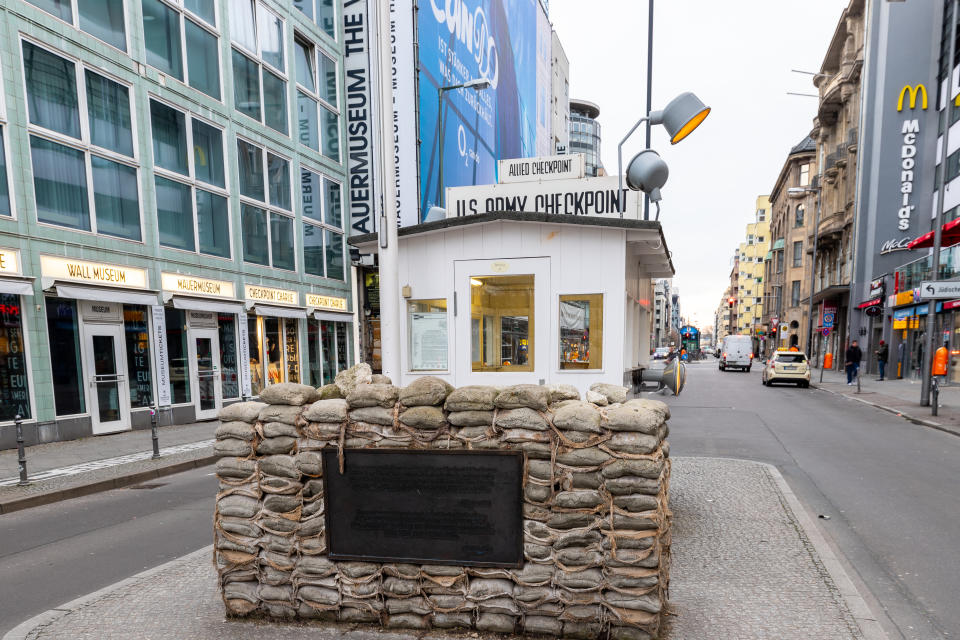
[(645, 239)]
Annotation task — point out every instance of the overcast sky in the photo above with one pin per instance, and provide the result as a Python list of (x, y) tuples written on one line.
[(737, 56)]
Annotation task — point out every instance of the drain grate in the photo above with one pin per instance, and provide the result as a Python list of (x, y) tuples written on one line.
[(148, 485)]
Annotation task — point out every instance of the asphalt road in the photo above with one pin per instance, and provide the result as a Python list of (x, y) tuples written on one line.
[(891, 489), (52, 554)]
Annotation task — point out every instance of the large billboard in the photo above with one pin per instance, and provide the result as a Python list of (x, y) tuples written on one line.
[(462, 40)]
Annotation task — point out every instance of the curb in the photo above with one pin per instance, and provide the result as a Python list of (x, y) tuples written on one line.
[(906, 416), (22, 630), (103, 485)]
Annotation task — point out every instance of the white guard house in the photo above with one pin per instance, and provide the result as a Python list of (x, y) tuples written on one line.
[(508, 297)]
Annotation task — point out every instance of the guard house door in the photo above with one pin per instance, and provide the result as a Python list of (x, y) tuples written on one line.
[(502, 321), (207, 385), (108, 390)]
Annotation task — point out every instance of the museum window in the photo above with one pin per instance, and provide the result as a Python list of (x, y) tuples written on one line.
[(259, 67), (581, 331), (229, 371), (103, 19), (192, 207), (266, 207), (73, 141), (63, 333), (175, 31), (318, 120), (427, 334), (322, 12), (321, 198), (502, 323), (177, 354), (798, 253), (14, 390), (328, 343), (274, 351)]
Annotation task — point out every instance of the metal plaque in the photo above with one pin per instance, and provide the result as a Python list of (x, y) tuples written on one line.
[(425, 507)]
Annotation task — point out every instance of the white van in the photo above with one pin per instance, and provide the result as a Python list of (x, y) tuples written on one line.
[(736, 352)]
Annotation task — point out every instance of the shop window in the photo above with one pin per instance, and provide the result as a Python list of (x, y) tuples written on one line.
[(171, 35), (328, 343), (427, 334), (259, 32), (137, 336), (272, 343), (501, 309), (274, 351), (229, 373), (581, 331), (256, 355), (292, 349), (14, 391), (176, 320), (63, 332)]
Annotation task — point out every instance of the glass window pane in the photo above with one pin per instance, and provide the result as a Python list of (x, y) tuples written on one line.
[(243, 29), (334, 262), (278, 176), (503, 306), (307, 128), (255, 342), (427, 334), (327, 341), (108, 109), (246, 85), (60, 184), (291, 350), (137, 334), (169, 137), (270, 29), (250, 159), (5, 209), (304, 62), (328, 79), (281, 242), (275, 102), (115, 198), (203, 64), (313, 249), (581, 331), (314, 353), (177, 352), (161, 34), (14, 391), (331, 133), (59, 8), (203, 8), (208, 154), (174, 214), (103, 19), (51, 90), (306, 6), (332, 202), (327, 17), (64, 336), (343, 346), (271, 334), (229, 378), (213, 224), (254, 223), (310, 194)]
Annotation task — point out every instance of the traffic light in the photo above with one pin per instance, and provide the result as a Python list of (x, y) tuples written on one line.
[(730, 301)]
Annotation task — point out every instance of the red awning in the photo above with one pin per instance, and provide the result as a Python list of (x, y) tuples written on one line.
[(950, 235), (870, 303)]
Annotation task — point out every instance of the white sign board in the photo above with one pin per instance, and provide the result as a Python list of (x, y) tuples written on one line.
[(583, 197), (244, 356), (940, 290), (428, 341), (161, 356), (535, 169)]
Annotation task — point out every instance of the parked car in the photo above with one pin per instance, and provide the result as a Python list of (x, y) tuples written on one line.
[(786, 366), (736, 352), (660, 353)]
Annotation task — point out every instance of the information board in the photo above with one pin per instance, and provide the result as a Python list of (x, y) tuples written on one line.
[(428, 341), (162, 356)]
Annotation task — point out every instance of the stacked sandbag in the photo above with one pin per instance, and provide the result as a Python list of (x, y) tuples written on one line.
[(595, 507)]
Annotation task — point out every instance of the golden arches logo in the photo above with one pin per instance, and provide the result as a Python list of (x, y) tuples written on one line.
[(914, 91)]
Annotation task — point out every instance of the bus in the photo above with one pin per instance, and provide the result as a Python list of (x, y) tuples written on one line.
[(690, 340)]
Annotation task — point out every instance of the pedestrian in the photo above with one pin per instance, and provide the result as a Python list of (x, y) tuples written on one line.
[(854, 356), (883, 354)]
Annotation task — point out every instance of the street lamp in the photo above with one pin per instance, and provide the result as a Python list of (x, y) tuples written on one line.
[(478, 84), (800, 192), (647, 171)]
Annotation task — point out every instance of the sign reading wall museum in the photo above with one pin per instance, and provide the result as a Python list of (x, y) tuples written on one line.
[(268, 295), (326, 302), (92, 272), (569, 167), (191, 285)]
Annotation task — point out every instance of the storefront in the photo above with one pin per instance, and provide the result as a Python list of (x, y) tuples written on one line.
[(273, 334), (16, 392), (329, 337)]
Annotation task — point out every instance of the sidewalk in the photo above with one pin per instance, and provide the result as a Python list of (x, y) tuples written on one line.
[(901, 397), (748, 562), (63, 470)]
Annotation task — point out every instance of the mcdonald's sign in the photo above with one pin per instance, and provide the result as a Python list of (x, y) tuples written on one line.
[(914, 91)]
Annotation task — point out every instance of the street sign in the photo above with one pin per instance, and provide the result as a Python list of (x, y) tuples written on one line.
[(825, 331), (828, 320), (940, 290)]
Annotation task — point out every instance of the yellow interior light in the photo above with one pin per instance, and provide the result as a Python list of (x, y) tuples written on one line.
[(475, 283), (690, 126)]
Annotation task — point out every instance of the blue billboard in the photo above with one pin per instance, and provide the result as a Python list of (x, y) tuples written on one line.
[(462, 40)]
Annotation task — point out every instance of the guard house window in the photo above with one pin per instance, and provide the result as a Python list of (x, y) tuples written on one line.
[(795, 293), (798, 216), (804, 175), (317, 113), (259, 68), (798, 253), (329, 344), (322, 12), (581, 331), (14, 391), (82, 162), (265, 207), (192, 211), (322, 200), (427, 334), (63, 333), (502, 322), (175, 31), (102, 19)]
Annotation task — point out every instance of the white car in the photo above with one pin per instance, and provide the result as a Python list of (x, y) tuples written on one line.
[(786, 366), (736, 352)]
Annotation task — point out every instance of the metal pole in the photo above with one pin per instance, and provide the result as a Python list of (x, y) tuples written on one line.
[(154, 433), (813, 258), (441, 197), (621, 199), (646, 197), (938, 223), (21, 454)]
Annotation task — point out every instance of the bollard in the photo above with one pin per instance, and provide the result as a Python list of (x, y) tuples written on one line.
[(936, 396), (21, 454), (154, 434)]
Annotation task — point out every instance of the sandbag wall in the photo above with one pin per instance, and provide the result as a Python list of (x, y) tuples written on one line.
[(596, 517)]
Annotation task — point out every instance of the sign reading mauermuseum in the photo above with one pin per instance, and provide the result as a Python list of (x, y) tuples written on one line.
[(326, 302), (92, 272), (536, 169), (268, 295), (9, 261), (194, 286)]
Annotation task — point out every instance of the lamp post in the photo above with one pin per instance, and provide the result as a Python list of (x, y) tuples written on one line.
[(477, 85)]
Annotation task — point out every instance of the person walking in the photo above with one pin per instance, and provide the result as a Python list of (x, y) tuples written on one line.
[(854, 356), (883, 354)]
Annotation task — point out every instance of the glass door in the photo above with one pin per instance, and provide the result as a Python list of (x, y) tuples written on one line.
[(205, 360), (108, 389)]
